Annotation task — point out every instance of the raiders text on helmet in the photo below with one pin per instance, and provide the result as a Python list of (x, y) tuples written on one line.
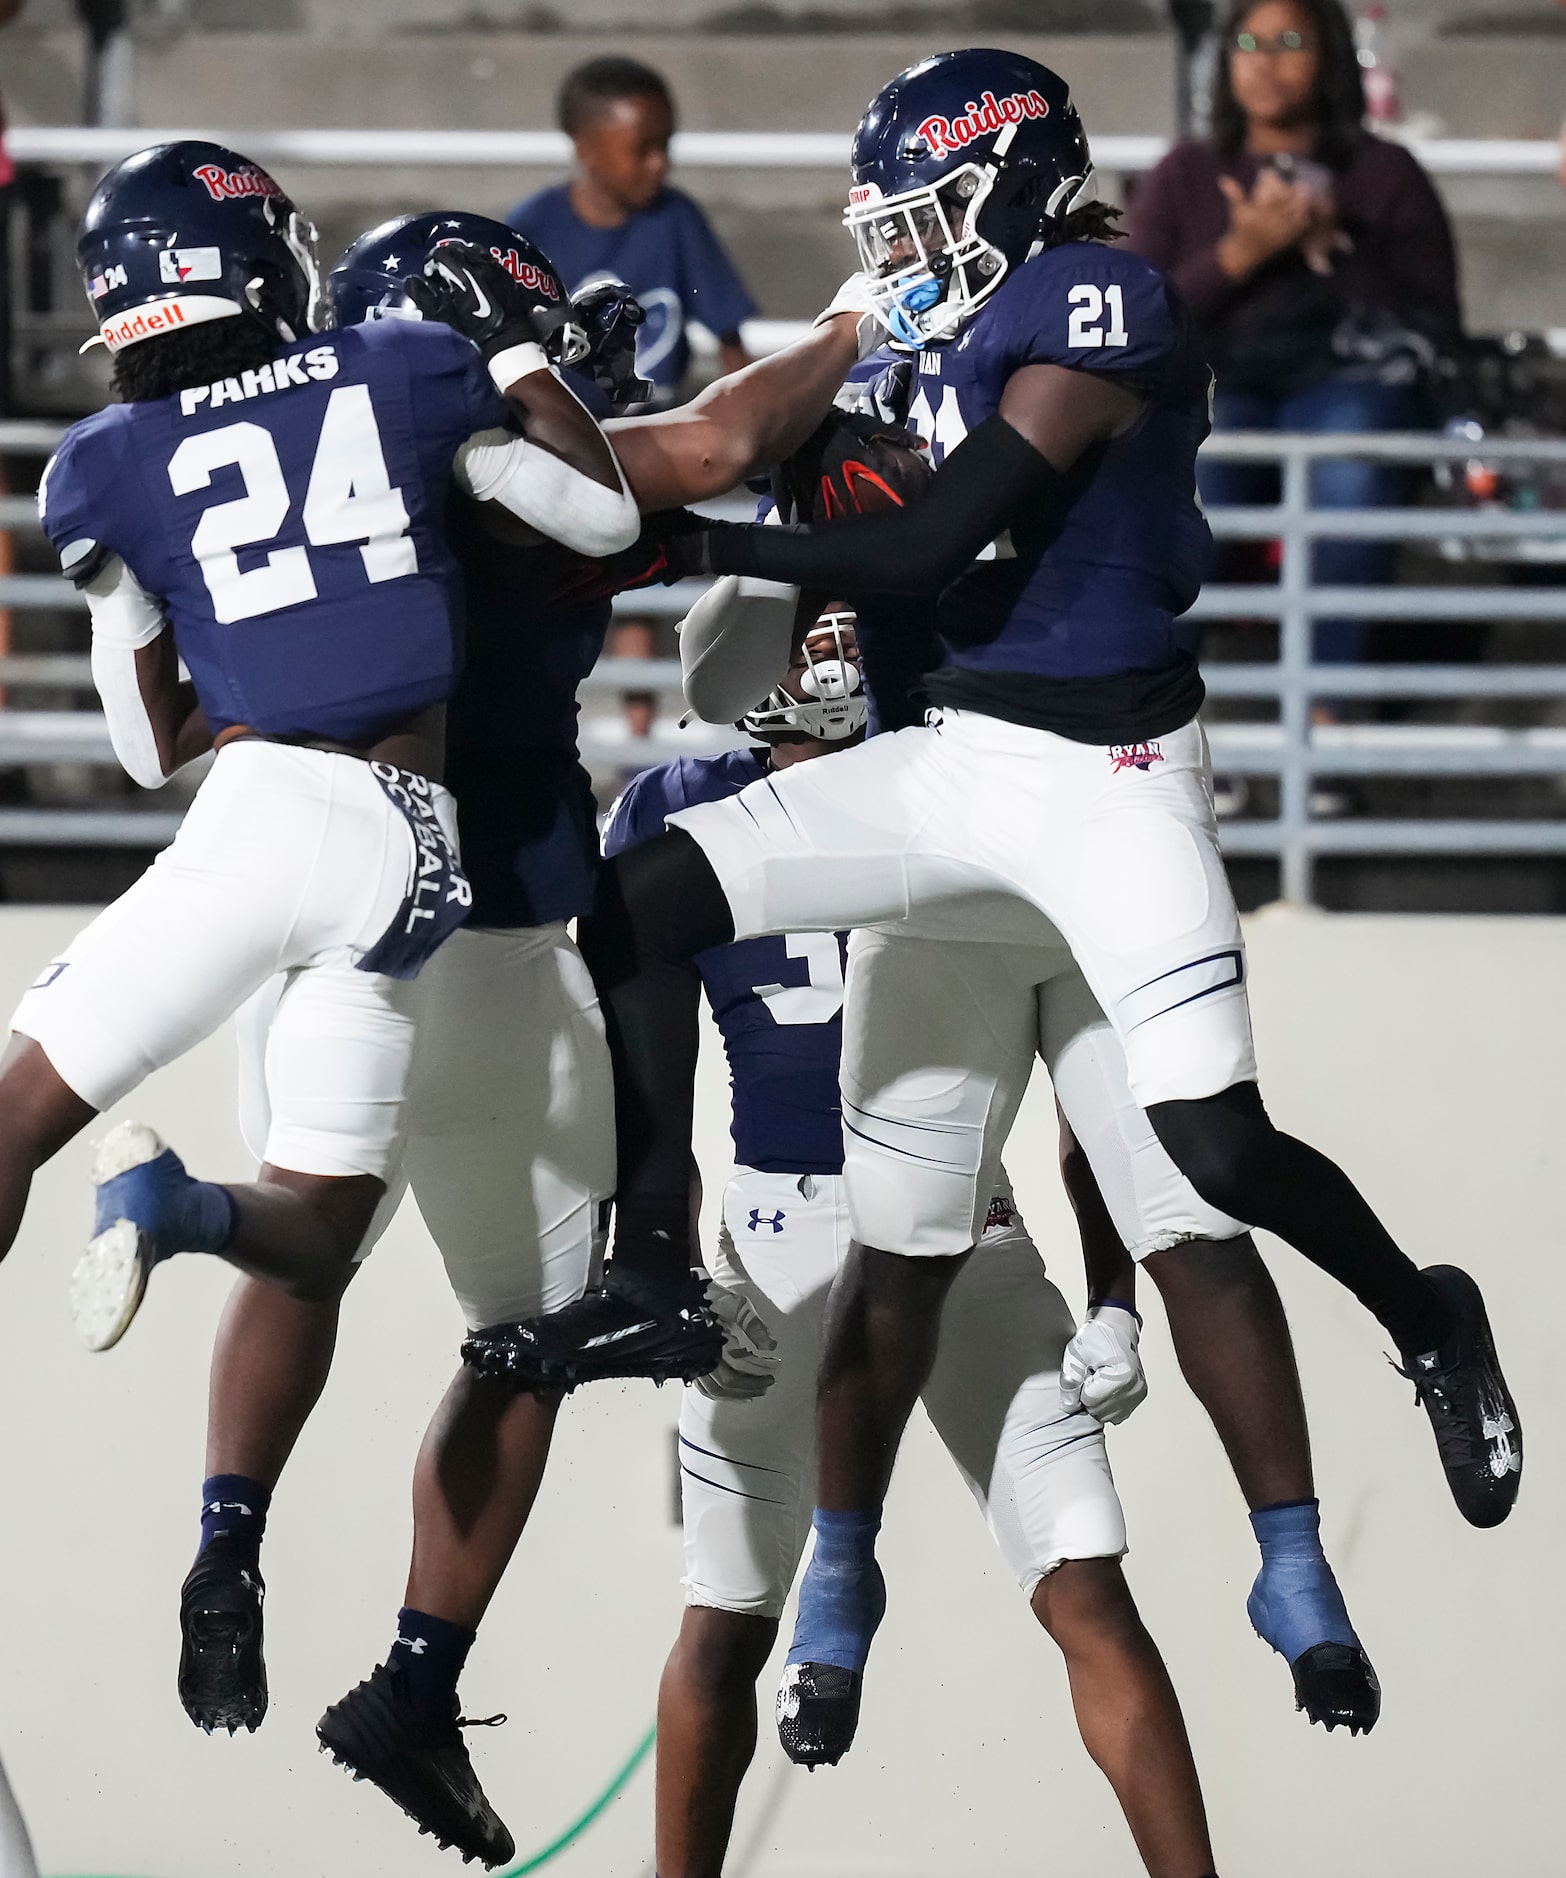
[(188, 232), (370, 280), (962, 169)]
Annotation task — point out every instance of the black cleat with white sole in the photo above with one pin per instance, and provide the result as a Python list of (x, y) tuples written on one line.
[(1335, 1685), (222, 1672), (1460, 1387), (419, 1761), (631, 1327), (818, 1712)]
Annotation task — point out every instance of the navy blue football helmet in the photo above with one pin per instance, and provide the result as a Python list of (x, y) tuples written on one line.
[(188, 232), (370, 281), (589, 335), (963, 167)]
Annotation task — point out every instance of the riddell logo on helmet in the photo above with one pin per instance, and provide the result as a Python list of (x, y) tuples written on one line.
[(947, 135), (143, 324), (225, 185)]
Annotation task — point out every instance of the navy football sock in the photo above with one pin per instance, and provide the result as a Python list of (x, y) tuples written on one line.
[(430, 1652), (842, 1597), (1295, 1602), (234, 1509)]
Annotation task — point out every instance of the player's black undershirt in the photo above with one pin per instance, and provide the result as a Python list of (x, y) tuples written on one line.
[(1131, 707)]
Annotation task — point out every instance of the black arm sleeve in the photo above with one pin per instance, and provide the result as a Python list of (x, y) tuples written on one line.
[(975, 494)]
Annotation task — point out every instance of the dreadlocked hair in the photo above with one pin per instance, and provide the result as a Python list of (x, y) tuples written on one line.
[(198, 355), (1094, 221)]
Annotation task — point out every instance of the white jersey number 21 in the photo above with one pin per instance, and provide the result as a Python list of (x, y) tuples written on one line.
[(1087, 327)]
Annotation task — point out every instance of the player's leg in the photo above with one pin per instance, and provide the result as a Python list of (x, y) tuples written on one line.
[(1233, 1342), (283, 861), (926, 1106), (270, 1361), (792, 852), (746, 1477), (16, 1848), (1041, 1477), (1128, 866), (510, 1157)]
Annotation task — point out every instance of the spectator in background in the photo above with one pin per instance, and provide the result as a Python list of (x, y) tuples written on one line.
[(1318, 262), (618, 219)]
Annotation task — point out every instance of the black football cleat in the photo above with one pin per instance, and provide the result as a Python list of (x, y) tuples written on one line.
[(222, 1672), (1335, 1685), (631, 1327), (1460, 1387), (818, 1712), (419, 1761)]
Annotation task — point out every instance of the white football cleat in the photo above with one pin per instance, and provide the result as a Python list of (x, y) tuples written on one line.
[(110, 1278)]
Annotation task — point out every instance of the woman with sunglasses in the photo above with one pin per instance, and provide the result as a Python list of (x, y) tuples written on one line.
[(1319, 263)]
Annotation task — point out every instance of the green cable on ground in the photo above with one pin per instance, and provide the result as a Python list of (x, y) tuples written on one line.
[(574, 1831)]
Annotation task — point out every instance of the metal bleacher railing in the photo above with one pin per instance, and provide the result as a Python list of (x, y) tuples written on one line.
[(1293, 749)]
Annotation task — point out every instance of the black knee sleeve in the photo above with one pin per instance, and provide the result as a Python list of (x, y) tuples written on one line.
[(658, 902), (1220, 1144)]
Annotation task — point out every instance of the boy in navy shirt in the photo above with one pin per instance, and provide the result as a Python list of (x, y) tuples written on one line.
[(618, 219)]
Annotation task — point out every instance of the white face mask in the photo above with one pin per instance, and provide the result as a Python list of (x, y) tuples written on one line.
[(834, 705)]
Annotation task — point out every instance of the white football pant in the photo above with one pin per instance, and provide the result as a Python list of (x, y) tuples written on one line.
[(939, 1040), (289, 861), (510, 1125), (748, 1469), (974, 828)]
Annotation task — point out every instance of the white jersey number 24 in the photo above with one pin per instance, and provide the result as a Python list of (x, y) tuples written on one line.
[(350, 498)]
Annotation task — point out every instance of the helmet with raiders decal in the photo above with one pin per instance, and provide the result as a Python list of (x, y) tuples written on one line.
[(370, 279), (188, 232), (963, 167), (830, 703)]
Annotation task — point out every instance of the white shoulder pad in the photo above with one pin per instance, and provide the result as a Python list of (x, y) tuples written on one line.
[(734, 646)]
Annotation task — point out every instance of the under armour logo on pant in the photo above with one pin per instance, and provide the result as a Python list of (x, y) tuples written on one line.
[(757, 1221)]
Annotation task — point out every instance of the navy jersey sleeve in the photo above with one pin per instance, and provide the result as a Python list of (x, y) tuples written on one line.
[(1093, 308), (712, 289), (640, 812), (84, 498)]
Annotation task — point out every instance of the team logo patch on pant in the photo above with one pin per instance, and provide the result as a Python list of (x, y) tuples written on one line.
[(758, 1220), (1140, 756), (1001, 1214)]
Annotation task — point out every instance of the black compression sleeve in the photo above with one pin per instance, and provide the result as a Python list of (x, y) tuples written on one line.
[(992, 475), (658, 905)]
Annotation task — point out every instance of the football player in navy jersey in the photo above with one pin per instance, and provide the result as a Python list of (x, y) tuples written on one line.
[(1015, 1418), (291, 551), (1065, 781), (510, 1129)]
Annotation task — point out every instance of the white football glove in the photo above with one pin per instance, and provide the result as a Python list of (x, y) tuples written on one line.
[(748, 1366), (1101, 1370)]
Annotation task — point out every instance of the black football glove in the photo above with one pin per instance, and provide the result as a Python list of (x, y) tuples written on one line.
[(465, 287), (607, 316)]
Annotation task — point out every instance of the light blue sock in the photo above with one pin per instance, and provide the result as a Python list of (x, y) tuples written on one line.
[(842, 1597), (1295, 1602)]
